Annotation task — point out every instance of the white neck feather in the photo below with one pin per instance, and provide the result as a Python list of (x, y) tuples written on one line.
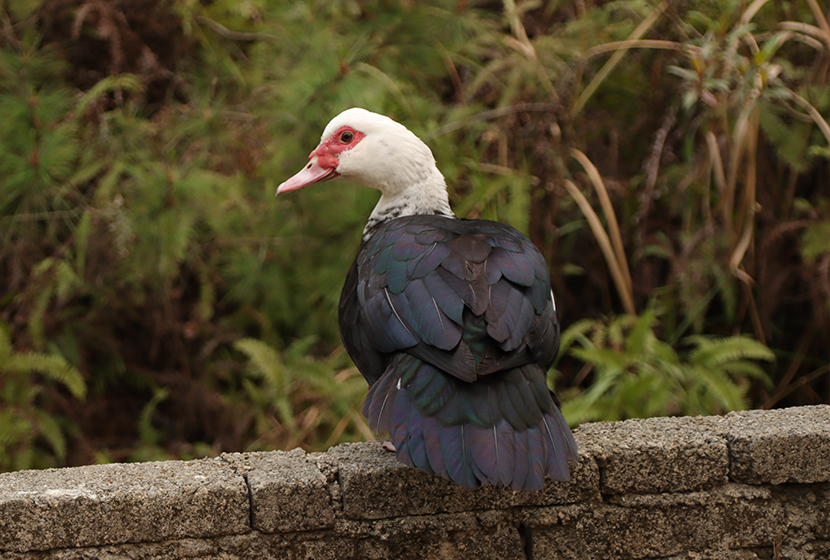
[(396, 162), (428, 196)]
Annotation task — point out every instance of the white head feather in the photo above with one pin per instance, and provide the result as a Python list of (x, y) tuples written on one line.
[(391, 159)]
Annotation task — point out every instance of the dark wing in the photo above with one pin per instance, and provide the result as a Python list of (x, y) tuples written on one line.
[(452, 323), (414, 279)]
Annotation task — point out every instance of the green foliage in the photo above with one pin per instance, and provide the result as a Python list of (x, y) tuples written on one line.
[(636, 375), (815, 243), (298, 399), (141, 144), (30, 436)]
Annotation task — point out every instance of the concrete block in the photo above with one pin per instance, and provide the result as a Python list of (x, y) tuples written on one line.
[(164, 550), (375, 485), (288, 492), (502, 542), (778, 446), (119, 503), (623, 533), (718, 554), (733, 517), (655, 454)]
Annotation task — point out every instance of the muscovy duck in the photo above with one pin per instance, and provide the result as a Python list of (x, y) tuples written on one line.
[(451, 321)]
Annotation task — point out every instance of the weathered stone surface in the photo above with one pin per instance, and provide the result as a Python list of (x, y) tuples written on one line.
[(502, 543), (656, 454), (644, 489), (446, 537), (717, 554), (822, 492), (288, 492), (732, 517), (375, 485), (796, 450), (118, 503)]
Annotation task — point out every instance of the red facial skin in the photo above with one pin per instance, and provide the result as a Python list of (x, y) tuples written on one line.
[(323, 161)]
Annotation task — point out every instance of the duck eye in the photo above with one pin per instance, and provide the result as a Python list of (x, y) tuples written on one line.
[(346, 136)]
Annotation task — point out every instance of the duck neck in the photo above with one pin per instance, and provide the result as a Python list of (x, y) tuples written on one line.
[(426, 197)]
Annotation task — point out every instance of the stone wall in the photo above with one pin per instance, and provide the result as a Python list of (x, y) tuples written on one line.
[(746, 485)]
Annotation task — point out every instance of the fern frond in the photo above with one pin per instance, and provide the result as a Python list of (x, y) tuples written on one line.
[(712, 353), (575, 331), (719, 385), (815, 241), (47, 427), (52, 366), (641, 333), (5, 347), (147, 432), (268, 365), (124, 82), (266, 361), (601, 357)]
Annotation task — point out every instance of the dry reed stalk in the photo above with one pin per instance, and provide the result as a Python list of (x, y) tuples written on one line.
[(612, 62), (614, 265)]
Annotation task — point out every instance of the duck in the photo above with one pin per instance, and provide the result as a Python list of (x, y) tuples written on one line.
[(452, 322)]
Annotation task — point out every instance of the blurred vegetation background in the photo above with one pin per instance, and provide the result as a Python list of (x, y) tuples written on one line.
[(670, 159)]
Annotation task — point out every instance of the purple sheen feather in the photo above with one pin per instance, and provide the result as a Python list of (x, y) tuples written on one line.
[(491, 404), (482, 456), (491, 228), (432, 444), (486, 454), (407, 249), (516, 267), (398, 417), (562, 450), (500, 295), (461, 363), (521, 463), (518, 397), (361, 292), (526, 317), (396, 276), (492, 272), (380, 261), (415, 437), (475, 295), (471, 247), (509, 242), (538, 387), (462, 268), (544, 338), (430, 322), (394, 231), (570, 442), (456, 458), (498, 329), (537, 456), (380, 401), (428, 234), (400, 440), (497, 325), (385, 325), (427, 261), (518, 316), (513, 409), (479, 296), (505, 447), (539, 295), (448, 300), (374, 283)]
